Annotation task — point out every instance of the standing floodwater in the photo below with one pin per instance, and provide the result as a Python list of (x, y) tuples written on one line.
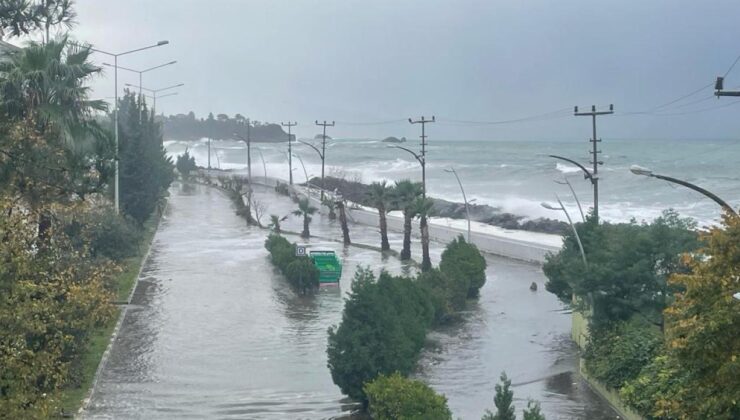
[(213, 332)]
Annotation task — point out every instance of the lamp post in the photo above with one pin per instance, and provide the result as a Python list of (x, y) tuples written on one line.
[(323, 152), (155, 91), (321, 155), (141, 72), (586, 175), (566, 182), (115, 108), (247, 140), (570, 222), (264, 165), (290, 148), (465, 199), (639, 170)]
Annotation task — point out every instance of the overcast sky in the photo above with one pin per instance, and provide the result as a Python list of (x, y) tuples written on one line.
[(371, 61)]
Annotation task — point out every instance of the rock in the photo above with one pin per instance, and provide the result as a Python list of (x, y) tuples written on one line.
[(533, 287)]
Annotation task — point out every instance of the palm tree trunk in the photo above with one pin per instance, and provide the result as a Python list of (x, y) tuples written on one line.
[(406, 251), (426, 262), (384, 245), (343, 222), (305, 233)]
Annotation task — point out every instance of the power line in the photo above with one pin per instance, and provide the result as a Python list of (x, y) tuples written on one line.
[(539, 117), (402, 120), (731, 67)]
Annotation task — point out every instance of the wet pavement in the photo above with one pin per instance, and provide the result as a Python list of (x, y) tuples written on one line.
[(214, 332)]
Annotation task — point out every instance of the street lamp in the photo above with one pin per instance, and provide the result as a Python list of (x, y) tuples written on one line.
[(586, 175), (141, 72), (467, 207), (264, 165), (155, 91), (639, 170), (115, 108), (321, 155), (323, 151), (570, 222), (566, 182), (247, 140)]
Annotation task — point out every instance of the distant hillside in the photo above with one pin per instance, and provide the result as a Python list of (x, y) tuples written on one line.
[(221, 127)]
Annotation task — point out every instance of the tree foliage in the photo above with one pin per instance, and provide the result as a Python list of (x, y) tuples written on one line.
[(300, 271), (464, 263), (696, 374), (503, 400), (628, 267), (383, 328), (145, 170), (395, 397), (616, 353), (185, 164), (50, 299)]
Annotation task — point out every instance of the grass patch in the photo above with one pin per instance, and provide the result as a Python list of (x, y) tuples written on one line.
[(71, 397)]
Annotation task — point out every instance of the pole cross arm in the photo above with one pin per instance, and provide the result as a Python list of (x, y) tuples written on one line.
[(321, 155), (419, 158), (586, 173)]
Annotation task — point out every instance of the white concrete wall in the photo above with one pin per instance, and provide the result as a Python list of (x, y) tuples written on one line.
[(502, 245)]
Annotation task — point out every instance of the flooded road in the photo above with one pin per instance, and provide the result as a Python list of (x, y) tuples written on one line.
[(213, 332)]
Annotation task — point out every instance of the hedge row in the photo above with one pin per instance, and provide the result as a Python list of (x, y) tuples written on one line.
[(385, 320), (300, 271)]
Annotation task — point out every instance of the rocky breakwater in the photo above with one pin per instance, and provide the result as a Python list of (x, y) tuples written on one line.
[(358, 192)]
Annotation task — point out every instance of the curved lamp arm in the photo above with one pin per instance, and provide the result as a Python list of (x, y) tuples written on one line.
[(586, 173)]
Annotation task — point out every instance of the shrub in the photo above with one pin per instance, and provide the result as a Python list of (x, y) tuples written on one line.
[(185, 164), (300, 271), (616, 354), (464, 263), (105, 233), (302, 274), (445, 297), (397, 398), (383, 328)]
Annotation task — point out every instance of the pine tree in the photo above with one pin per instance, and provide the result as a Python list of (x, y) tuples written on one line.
[(503, 401)]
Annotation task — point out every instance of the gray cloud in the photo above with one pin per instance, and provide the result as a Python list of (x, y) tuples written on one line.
[(349, 60)]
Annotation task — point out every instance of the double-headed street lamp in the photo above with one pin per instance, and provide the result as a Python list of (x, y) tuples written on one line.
[(639, 170), (141, 72), (321, 156), (115, 108), (155, 91), (570, 222)]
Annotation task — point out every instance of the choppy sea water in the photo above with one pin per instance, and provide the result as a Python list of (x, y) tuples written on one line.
[(516, 176)]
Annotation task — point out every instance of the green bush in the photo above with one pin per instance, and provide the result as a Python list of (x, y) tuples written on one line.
[(616, 354), (394, 397), (464, 263), (445, 296), (105, 233), (383, 328), (300, 271), (302, 274), (282, 189), (185, 164)]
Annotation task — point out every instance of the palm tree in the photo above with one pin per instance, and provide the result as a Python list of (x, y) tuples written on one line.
[(380, 196), (305, 209), (404, 198), (423, 207), (43, 92), (331, 205), (275, 222)]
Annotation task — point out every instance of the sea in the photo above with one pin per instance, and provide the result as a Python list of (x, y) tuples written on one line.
[(513, 176)]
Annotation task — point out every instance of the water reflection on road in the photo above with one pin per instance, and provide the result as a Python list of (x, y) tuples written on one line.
[(213, 332)]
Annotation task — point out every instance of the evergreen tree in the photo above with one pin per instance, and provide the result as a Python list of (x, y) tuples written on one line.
[(503, 401), (145, 170), (532, 412)]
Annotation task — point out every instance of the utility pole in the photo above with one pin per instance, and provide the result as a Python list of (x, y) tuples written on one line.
[(247, 140), (422, 158), (595, 152), (290, 147), (323, 152), (209, 152)]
